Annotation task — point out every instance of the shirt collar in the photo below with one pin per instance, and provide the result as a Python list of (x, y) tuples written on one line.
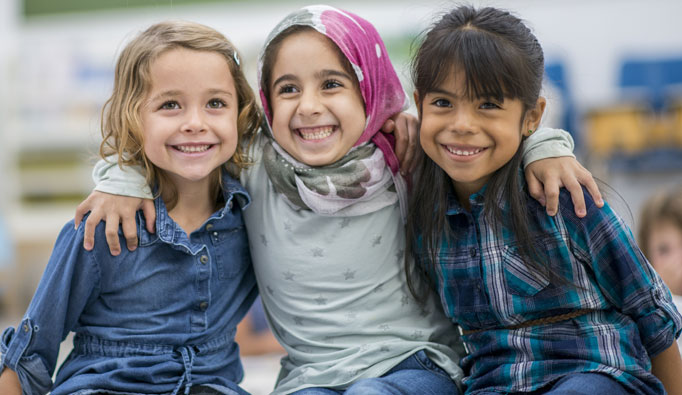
[(233, 193), (477, 199)]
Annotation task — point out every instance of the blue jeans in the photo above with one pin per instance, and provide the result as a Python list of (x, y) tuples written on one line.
[(578, 384), (416, 374)]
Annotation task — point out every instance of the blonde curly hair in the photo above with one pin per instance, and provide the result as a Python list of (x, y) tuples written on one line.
[(121, 120)]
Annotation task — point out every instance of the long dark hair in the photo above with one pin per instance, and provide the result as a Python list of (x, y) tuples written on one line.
[(500, 58)]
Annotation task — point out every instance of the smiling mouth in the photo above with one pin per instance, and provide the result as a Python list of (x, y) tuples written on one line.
[(463, 151), (317, 133), (192, 149)]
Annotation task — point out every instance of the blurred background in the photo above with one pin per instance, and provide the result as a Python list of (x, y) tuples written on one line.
[(613, 79)]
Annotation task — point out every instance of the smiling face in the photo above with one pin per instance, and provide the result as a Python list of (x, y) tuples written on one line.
[(471, 139), (189, 117), (317, 110)]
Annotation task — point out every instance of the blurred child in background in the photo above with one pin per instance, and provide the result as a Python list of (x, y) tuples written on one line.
[(660, 237)]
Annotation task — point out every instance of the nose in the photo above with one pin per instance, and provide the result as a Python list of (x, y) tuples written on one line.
[(309, 103), (464, 120), (194, 120)]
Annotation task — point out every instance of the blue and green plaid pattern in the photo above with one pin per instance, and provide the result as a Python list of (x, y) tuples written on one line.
[(484, 283)]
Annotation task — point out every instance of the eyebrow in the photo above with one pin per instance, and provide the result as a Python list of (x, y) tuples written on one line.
[(319, 75), (442, 92), (173, 93)]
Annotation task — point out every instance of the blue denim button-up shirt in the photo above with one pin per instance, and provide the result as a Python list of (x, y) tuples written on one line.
[(156, 320), (484, 284)]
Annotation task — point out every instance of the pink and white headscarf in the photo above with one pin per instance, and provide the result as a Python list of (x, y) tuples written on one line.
[(380, 87)]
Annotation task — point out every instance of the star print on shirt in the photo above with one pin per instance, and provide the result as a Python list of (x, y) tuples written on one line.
[(384, 327), (298, 320), (270, 290), (263, 240), (287, 226), (351, 315), (417, 334), (376, 241), (400, 254), (345, 222), (320, 300), (288, 275), (405, 300), (349, 275), (317, 252)]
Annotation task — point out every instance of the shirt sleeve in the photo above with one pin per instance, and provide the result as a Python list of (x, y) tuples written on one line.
[(69, 283), (625, 277), (109, 177), (547, 143)]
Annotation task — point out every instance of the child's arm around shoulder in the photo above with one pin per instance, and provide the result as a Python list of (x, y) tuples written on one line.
[(118, 194), (550, 164)]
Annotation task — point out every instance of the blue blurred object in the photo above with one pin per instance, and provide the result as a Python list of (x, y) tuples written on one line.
[(6, 252), (555, 73), (652, 80)]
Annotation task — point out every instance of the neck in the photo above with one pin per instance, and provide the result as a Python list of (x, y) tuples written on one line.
[(464, 191), (194, 205)]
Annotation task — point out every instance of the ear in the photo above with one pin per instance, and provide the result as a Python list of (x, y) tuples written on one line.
[(416, 103), (534, 116)]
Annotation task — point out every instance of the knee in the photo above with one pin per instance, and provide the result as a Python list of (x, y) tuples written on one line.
[(370, 386)]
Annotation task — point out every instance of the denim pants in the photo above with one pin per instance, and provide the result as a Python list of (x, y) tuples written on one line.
[(415, 375), (579, 384)]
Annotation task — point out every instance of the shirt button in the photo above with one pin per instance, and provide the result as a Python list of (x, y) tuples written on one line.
[(472, 252), (25, 327), (203, 306), (203, 259), (209, 226)]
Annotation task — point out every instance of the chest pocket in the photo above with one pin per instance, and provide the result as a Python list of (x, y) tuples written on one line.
[(521, 279), (232, 251)]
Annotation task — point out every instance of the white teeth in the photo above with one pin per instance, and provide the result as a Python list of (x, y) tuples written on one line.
[(316, 133), (192, 148), (462, 152)]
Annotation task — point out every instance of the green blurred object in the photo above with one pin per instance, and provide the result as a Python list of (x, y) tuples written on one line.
[(49, 7)]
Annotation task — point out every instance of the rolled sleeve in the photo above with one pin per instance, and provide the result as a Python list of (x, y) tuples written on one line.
[(31, 369), (547, 143), (127, 181), (626, 278)]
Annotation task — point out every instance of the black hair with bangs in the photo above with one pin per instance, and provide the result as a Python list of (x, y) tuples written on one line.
[(500, 59)]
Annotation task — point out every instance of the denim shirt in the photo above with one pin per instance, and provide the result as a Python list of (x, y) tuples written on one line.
[(156, 320), (484, 284)]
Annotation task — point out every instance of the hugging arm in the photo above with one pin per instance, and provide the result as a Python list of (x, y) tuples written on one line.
[(550, 164), (117, 197)]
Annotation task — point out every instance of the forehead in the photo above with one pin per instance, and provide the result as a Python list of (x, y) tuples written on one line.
[(182, 66), (305, 47)]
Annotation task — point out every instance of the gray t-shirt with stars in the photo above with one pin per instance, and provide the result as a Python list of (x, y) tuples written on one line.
[(335, 294)]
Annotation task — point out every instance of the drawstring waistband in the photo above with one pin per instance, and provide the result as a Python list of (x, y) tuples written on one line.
[(187, 354)]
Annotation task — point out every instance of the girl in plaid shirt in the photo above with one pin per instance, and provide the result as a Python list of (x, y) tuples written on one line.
[(545, 304)]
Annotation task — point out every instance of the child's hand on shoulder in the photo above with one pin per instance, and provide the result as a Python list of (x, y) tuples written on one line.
[(114, 209), (546, 176), (405, 128)]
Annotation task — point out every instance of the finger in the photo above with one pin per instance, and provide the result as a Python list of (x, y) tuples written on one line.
[(535, 188), (111, 232), (551, 187), (81, 210), (410, 155), (577, 196), (129, 226), (592, 188), (90, 225), (149, 212), (402, 140), (388, 126)]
